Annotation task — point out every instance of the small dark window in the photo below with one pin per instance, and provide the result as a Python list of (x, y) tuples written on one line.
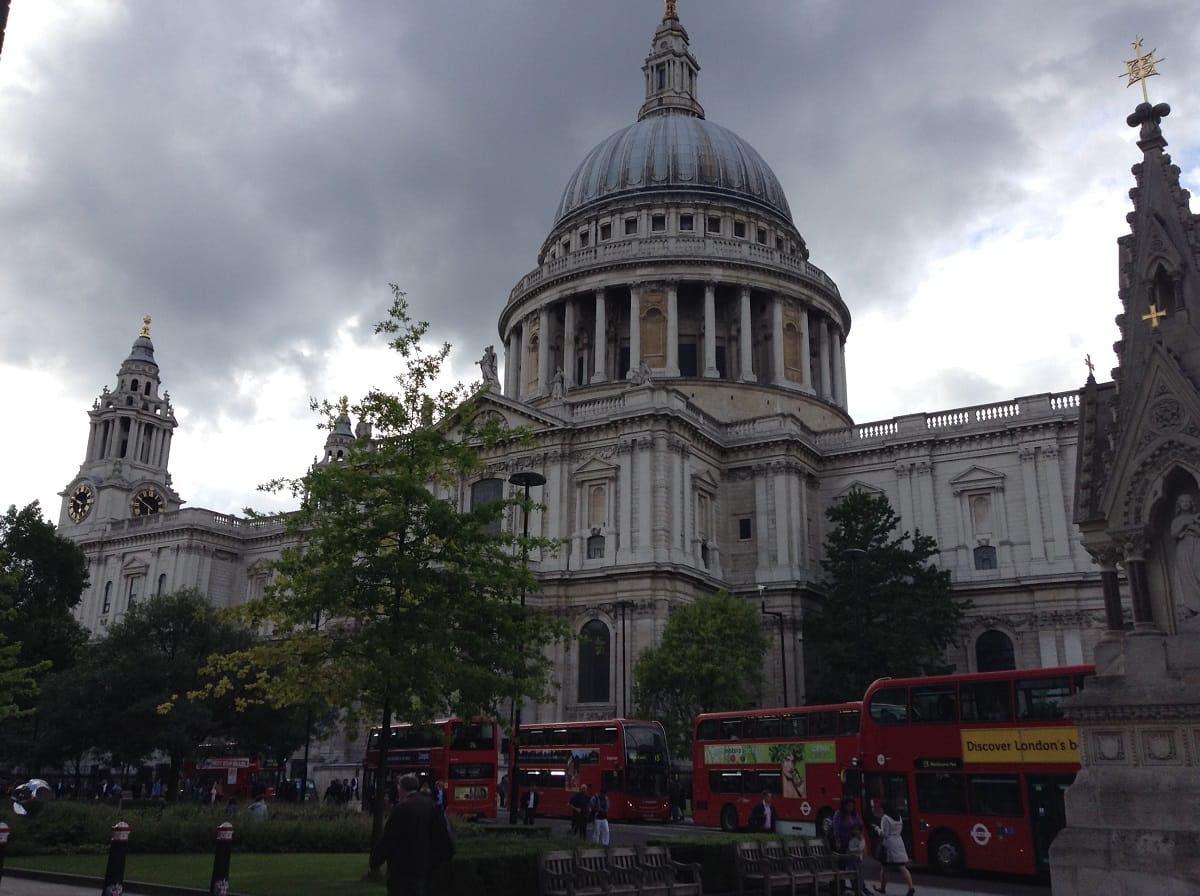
[(704, 554), (107, 606), (985, 557), (605, 231), (744, 529), (687, 223), (994, 795), (779, 245), (889, 706), (658, 223), (485, 492), (714, 224), (595, 547), (630, 226), (162, 584), (986, 701), (739, 229), (761, 235), (583, 239), (566, 245)]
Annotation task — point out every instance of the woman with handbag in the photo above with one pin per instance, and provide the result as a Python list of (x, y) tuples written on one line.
[(892, 853)]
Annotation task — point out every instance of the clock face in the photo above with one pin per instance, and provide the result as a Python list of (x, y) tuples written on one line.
[(145, 502), (80, 504)]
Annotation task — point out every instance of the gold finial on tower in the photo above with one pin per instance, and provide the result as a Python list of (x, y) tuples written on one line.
[(670, 13), (1141, 67), (146, 325), (344, 405)]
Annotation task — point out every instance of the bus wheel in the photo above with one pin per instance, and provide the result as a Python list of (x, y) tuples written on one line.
[(946, 853), (729, 819)]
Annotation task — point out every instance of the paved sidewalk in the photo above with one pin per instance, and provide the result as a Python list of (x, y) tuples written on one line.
[(13, 885)]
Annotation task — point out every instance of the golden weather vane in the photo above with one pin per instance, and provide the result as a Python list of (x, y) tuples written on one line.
[(670, 14), (146, 325), (1141, 67)]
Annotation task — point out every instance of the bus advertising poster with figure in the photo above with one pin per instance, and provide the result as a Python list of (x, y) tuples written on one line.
[(807, 757)]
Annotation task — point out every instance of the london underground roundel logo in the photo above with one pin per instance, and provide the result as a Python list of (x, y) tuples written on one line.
[(980, 834)]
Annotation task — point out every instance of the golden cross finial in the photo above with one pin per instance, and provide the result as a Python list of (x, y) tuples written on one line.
[(344, 405), (670, 14), (1154, 315), (146, 325), (1140, 68), (1090, 366)]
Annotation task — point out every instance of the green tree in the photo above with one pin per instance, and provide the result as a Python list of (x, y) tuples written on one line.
[(709, 659), (398, 604), (42, 577), (887, 608)]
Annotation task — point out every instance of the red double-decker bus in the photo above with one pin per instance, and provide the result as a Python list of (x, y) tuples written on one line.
[(627, 759), (976, 763), (234, 773), (806, 756), (463, 754)]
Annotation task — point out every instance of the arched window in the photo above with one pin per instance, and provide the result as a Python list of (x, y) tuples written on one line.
[(485, 491), (162, 584), (985, 557), (107, 605), (594, 653), (994, 652)]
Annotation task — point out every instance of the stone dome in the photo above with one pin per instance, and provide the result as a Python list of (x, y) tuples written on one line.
[(675, 152)]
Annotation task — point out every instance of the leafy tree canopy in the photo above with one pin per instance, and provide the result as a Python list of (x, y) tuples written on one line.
[(887, 610), (709, 660), (397, 600)]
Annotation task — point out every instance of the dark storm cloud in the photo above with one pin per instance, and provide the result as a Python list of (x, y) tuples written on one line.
[(253, 174)]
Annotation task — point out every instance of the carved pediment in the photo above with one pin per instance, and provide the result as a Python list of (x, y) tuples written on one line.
[(977, 479), (859, 486), (1162, 432), (595, 468)]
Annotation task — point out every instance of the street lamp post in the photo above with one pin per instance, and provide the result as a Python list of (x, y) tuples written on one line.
[(525, 479), (762, 590)]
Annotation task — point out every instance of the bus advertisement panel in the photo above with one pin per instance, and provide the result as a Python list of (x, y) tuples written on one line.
[(802, 755), (463, 755), (627, 759), (977, 763)]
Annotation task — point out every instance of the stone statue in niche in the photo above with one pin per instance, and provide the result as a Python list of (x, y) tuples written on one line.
[(1185, 531), (556, 384), (487, 364)]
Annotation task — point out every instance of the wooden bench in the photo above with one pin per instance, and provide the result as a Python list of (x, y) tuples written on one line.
[(617, 871), (760, 871)]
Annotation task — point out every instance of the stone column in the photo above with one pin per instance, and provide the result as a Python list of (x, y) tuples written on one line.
[(805, 353), (600, 340), (777, 376), (672, 330), (839, 369), (710, 331), (512, 363), (569, 344), (826, 366), (745, 346), (544, 350), (1114, 618), (1139, 588), (635, 326)]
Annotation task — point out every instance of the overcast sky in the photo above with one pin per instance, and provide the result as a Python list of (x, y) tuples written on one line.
[(253, 174)]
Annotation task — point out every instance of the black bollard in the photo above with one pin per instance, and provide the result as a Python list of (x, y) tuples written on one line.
[(220, 875), (3, 846), (114, 871)]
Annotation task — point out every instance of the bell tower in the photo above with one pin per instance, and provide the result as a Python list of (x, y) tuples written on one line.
[(124, 472)]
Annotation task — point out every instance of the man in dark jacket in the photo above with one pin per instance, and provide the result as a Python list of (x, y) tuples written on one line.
[(762, 816), (405, 842)]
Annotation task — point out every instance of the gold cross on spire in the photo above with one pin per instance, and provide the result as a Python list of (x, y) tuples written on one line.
[(1141, 67), (670, 13), (146, 325), (1153, 316)]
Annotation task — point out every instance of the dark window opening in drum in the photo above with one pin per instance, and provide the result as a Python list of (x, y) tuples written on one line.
[(687, 223)]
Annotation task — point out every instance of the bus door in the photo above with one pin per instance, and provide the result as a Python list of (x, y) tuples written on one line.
[(1047, 813), (892, 788)]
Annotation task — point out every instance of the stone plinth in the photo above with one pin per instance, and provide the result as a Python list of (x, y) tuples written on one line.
[(1133, 813)]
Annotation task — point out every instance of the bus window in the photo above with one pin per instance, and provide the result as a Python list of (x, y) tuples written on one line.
[(708, 729), (731, 729), (770, 781), (889, 706), (994, 795), (795, 726), (822, 724), (986, 701), (1078, 683), (935, 703), (559, 737), (770, 726), (849, 721), (1041, 698), (940, 792), (606, 735)]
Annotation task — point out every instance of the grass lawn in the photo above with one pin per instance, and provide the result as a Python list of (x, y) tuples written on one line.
[(275, 874)]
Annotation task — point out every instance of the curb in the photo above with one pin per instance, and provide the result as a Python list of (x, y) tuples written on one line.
[(84, 882)]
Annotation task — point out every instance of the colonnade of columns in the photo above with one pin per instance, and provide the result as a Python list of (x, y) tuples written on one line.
[(558, 333)]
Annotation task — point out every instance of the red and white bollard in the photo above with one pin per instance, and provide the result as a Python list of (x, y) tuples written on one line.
[(219, 886), (114, 871)]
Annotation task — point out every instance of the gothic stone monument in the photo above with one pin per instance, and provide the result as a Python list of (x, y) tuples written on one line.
[(1133, 813)]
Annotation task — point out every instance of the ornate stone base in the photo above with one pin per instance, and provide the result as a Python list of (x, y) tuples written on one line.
[(1133, 813)]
